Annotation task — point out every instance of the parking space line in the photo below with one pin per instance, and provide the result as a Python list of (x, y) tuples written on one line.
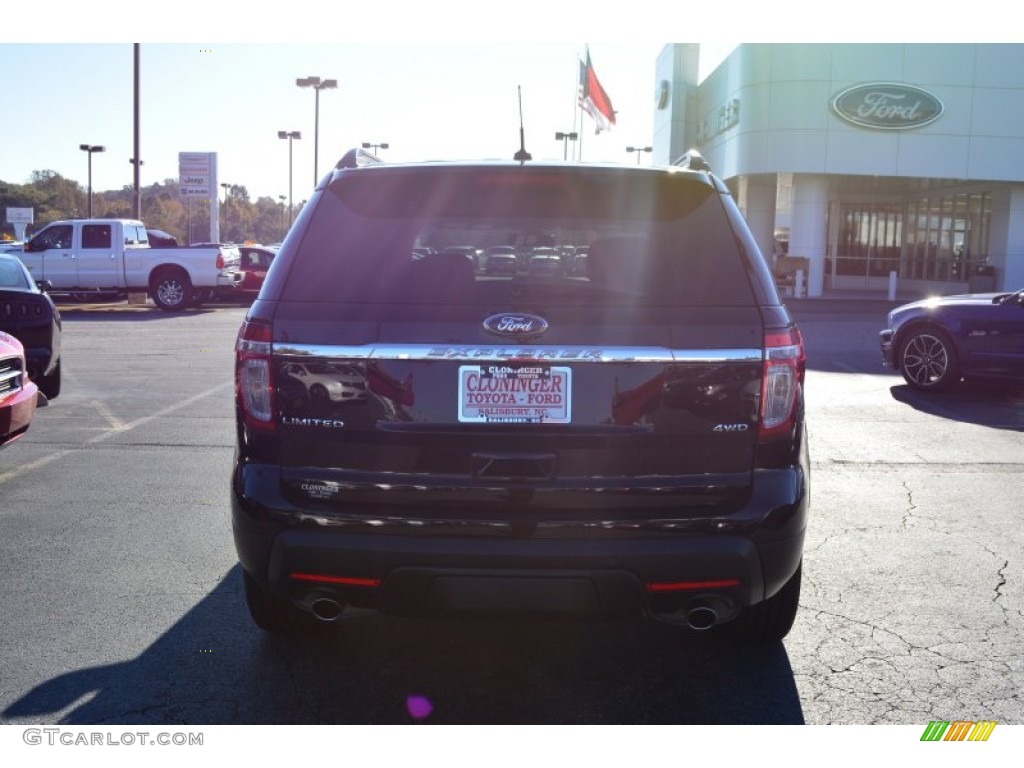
[(159, 414), (33, 465), (114, 422), (117, 428)]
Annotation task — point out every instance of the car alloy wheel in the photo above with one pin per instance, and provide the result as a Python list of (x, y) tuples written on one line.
[(928, 361)]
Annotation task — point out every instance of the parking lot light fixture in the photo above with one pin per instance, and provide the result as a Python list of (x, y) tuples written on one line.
[(374, 147), (317, 85), (638, 151), (289, 135), (91, 148), (565, 138)]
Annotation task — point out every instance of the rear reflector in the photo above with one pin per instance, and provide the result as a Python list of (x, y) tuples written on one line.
[(689, 586), (348, 581)]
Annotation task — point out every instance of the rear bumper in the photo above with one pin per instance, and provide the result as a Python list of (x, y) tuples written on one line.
[(411, 570)]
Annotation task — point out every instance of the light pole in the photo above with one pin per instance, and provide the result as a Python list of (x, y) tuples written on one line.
[(565, 138), (226, 186), (284, 227), (136, 200), (90, 148), (638, 150), (374, 147), (317, 85), (289, 135)]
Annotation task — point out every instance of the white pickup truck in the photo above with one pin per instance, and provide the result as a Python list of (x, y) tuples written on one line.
[(84, 256)]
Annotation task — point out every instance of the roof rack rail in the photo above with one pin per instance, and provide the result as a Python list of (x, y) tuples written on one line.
[(357, 158), (694, 160)]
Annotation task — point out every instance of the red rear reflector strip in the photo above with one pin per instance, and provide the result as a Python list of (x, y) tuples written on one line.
[(346, 580), (685, 586)]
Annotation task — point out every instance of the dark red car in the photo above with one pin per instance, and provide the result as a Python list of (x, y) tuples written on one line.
[(18, 394), (256, 260)]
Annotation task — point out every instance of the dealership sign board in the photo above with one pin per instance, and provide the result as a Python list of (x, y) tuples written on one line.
[(20, 215), (887, 106), (197, 175)]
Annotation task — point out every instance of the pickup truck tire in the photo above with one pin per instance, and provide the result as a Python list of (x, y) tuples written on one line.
[(50, 385), (171, 290)]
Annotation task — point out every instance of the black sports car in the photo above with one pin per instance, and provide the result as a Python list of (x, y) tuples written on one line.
[(937, 342), (30, 316)]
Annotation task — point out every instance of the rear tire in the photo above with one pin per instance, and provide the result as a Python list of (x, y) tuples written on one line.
[(50, 385), (770, 621), (171, 290)]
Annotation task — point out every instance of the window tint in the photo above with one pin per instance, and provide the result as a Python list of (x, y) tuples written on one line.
[(589, 236), (58, 236), (96, 236)]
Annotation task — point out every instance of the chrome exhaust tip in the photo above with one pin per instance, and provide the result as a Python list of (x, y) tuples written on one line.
[(326, 609), (701, 617)]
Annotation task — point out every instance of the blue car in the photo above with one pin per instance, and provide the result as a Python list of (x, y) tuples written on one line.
[(935, 343)]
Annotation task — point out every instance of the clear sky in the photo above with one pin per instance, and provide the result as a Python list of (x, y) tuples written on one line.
[(435, 80), (427, 101)]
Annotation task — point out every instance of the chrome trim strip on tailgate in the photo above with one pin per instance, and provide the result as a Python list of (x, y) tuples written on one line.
[(498, 353)]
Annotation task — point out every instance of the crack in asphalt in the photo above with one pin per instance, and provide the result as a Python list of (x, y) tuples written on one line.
[(911, 505)]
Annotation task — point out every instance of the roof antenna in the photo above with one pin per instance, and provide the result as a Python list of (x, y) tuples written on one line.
[(522, 155)]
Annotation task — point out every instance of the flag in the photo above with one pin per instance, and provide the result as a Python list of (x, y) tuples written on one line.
[(593, 99)]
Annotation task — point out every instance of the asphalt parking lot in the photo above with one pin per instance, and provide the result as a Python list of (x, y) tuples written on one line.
[(123, 602)]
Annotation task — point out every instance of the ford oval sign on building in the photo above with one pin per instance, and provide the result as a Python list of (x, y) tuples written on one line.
[(887, 106)]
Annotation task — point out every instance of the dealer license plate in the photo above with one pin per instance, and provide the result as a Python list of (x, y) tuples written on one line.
[(511, 393)]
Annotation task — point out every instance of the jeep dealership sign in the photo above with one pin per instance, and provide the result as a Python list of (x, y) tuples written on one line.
[(887, 106)]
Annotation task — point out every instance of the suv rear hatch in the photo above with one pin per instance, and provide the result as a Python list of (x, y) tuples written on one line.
[(624, 384)]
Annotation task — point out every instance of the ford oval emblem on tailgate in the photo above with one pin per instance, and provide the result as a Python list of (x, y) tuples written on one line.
[(515, 325)]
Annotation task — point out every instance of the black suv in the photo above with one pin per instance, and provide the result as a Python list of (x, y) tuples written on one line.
[(626, 438)]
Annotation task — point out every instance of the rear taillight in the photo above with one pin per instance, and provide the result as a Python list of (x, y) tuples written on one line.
[(784, 362), (254, 386), (220, 260)]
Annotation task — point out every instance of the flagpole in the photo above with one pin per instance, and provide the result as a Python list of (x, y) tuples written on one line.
[(579, 158), (576, 112)]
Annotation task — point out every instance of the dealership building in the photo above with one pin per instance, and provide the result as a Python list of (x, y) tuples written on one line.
[(871, 165)]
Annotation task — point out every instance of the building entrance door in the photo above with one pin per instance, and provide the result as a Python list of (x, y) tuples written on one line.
[(865, 245)]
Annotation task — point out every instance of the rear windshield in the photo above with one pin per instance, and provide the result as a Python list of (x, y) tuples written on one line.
[(12, 275), (452, 236)]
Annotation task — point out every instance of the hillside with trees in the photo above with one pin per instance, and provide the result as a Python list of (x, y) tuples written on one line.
[(54, 197)]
